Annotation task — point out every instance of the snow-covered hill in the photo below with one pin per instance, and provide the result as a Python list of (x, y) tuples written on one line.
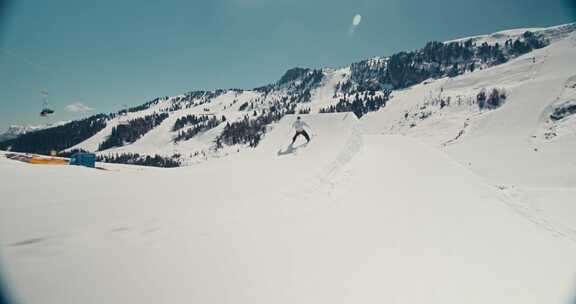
[(322, 95), (450, 193), (517, 135), (346, 218), (363, 87)]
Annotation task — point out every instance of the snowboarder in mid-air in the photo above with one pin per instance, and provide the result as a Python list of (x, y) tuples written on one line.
[(299, 125)]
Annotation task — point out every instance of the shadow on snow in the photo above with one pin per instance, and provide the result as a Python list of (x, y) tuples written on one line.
[(291, 149)]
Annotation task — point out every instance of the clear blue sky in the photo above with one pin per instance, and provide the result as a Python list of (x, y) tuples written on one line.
[(107, 53)]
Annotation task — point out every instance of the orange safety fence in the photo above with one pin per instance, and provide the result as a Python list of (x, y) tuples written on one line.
[(37, 160), (47, 161)]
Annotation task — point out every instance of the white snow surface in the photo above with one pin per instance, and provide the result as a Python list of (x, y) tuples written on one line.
[(346, 218), (460, 206)]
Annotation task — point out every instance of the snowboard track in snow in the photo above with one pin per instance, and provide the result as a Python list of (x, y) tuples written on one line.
[(512, 198), (324, 180)]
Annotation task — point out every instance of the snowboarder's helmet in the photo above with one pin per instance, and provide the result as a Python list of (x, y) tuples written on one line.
[(298, 117)]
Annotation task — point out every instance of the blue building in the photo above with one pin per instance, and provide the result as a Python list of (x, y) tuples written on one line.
[(83, 159)]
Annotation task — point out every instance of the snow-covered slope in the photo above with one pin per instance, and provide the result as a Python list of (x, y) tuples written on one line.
[(346, 218), (512, 136), (313, 90), (517, 147)]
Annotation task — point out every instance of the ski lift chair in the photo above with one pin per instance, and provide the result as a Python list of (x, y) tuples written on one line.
[(45, 112)]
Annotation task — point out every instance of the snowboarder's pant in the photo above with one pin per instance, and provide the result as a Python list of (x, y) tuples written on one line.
[(303, 132)]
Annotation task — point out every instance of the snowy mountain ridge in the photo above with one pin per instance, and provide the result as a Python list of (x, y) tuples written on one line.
[(362, 87), (14, 131), (553, 33)]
